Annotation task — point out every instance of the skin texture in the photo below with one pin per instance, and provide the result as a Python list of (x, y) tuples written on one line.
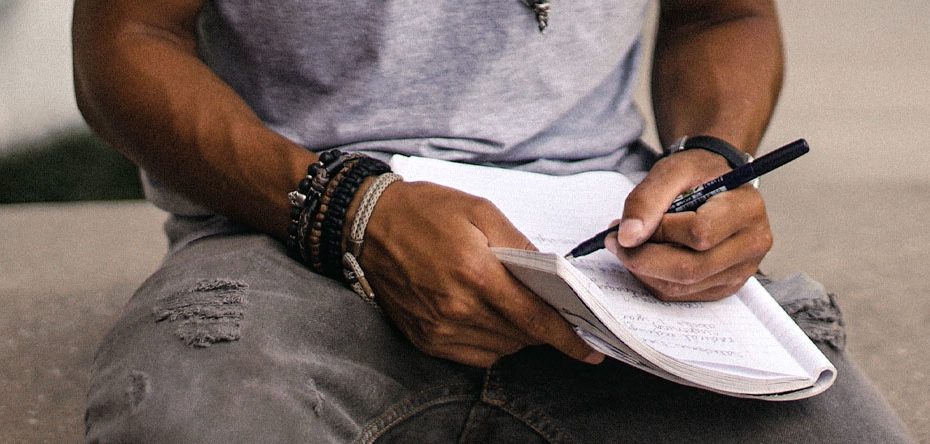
[(141, 87), (722, 63)]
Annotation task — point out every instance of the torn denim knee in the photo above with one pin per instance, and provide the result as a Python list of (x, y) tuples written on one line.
[(811, 307), (205, 314)]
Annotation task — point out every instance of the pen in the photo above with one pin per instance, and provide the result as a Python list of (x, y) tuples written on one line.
[(692, 199)]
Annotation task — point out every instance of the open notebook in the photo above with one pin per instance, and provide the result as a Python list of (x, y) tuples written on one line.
[(744, 345)]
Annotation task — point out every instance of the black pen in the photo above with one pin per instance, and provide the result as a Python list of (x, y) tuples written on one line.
[(691, 200)]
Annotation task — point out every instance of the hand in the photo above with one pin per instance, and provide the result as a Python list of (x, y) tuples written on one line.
[(701, 255), (428, 260)]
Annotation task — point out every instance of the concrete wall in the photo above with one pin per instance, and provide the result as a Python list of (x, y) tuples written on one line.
[(36, 93)]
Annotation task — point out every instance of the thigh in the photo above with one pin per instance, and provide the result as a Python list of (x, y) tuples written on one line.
[(613, 402), (232, 341)]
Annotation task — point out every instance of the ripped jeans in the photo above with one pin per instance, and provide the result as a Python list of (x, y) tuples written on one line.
[(232, 341)]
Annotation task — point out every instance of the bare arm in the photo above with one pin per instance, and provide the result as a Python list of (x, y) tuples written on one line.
[(717, 71), (141, 86)]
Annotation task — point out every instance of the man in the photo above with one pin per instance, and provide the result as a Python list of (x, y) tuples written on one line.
[(225, 104)]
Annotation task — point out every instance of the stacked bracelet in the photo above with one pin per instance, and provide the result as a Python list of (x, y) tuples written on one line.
[(314, 243), (305, 199), (318, 214)]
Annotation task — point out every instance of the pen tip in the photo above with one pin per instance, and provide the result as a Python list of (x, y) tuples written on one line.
[(569, 256)]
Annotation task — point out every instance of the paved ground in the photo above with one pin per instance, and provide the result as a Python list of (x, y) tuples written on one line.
[(855, 214)]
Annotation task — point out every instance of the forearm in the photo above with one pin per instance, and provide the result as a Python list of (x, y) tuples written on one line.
[(141, 87), (717, 71)]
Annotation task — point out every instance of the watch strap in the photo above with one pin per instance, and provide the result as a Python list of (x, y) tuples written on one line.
[(713, 144)]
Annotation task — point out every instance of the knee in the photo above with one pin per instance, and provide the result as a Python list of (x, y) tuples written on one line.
[(134, 406)]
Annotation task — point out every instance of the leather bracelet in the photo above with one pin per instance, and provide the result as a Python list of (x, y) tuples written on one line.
[(713, 144)]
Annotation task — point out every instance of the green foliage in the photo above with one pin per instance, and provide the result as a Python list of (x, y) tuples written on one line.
[(67, 167)]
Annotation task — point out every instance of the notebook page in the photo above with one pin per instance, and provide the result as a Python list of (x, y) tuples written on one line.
[(717, 334), (809, 357), (529, 200), (708, 333)]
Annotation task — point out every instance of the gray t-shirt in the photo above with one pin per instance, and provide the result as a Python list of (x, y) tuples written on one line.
[(471, 81)]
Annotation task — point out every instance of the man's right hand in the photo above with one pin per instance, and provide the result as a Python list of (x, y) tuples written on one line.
[(427, 255)]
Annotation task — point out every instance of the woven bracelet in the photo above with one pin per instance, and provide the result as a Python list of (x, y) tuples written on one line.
[(352, 270)]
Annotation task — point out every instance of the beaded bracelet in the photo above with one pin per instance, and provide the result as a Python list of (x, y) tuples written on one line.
[(315, 225), (333, 223), (318, 215), (305, 200)]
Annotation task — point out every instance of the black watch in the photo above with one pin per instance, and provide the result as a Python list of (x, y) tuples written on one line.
[(713, 144)]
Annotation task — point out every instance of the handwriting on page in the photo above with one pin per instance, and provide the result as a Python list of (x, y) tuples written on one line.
[(593, 199), (686, 330)]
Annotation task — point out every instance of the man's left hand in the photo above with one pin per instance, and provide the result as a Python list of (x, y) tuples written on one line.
[(701, 255)]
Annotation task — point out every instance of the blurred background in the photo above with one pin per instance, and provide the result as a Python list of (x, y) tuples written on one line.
[(46, 151), (854, 213)]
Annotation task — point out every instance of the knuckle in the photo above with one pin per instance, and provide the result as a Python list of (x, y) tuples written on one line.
[(636, 200), (428, 332), (457, 308), (483, 207), (764, 242), (700, 235), (473, 271)]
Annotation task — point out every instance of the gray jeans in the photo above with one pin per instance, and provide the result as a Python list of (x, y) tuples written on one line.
[(232, 341)]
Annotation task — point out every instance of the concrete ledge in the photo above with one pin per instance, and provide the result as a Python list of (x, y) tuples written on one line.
[(65, 273)]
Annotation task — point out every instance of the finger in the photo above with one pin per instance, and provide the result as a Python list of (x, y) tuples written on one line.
[(611, 243), (491, 326), (466, 354), (456, 335), (488, 341), (540, 321), (683, 265), (648, 202), (497, 229), (715, 287), (720, 218), (520, 306), (440, 338)]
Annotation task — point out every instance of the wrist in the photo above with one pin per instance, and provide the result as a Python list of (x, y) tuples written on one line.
[(733, 155), (330, 211)]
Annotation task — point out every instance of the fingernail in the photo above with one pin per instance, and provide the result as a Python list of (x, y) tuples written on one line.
[(594, 358), (631, 230)]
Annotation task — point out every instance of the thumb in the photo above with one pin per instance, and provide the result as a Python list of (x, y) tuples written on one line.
[(498, 230), (648, 202)]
